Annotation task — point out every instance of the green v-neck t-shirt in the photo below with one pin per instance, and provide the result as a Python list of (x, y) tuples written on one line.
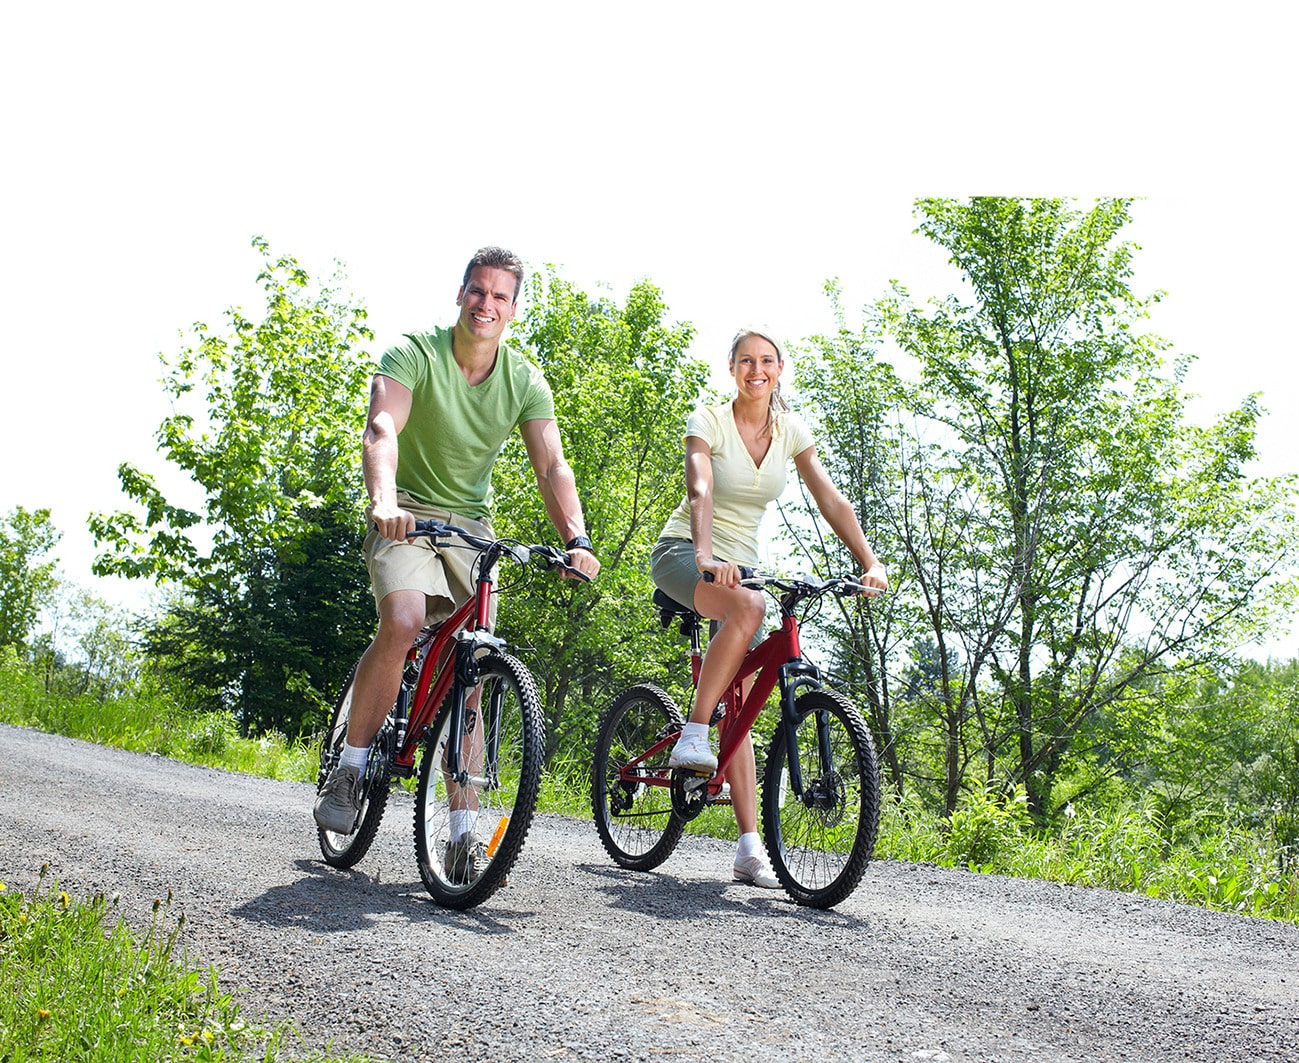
[(455, 432), (741, 490)]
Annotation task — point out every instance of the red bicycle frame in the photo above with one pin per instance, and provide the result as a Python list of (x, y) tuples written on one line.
[(433, 652), (773, 660)]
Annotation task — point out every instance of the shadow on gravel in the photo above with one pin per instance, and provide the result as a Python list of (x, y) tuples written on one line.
[(329, 900), (666, 897)]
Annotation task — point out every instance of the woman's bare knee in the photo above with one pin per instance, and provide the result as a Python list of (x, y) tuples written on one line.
[(747, 614)]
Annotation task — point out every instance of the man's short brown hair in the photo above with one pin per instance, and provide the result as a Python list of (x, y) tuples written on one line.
[(497, 258)]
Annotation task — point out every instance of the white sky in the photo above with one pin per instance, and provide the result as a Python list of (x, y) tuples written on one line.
[(736, 154)]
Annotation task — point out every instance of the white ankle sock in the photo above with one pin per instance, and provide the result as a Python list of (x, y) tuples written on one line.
[(750, 845), (700, 729), (462, 821), (354, 756)]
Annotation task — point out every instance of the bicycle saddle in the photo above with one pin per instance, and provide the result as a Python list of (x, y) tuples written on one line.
[(670, 608)]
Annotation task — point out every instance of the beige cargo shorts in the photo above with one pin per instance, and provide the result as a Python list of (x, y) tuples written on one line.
[(444, 571)]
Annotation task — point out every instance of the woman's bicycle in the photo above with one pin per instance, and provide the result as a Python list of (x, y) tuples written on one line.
[(820, 784), (474, 712)]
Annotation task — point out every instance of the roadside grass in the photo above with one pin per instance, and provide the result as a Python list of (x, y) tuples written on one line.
[(148, 721), (1128, 847), (77, 985), (1120, 845)]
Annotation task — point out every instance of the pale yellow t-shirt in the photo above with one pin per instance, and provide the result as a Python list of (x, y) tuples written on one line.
[(741, 490)]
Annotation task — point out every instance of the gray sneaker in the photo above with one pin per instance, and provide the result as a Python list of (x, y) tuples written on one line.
[(461, 859), (339, 801)]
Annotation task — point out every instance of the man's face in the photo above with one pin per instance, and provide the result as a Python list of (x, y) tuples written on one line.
[(486, 302)]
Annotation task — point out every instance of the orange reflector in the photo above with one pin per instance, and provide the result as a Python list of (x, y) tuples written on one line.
[(497, 835)]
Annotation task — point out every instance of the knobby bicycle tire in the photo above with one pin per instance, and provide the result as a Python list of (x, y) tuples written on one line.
[(820, 846), (347, 850), (512, 723), (635, 821)]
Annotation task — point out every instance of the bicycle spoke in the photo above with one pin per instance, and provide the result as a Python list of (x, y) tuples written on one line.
[(821, 841), (634, 819)]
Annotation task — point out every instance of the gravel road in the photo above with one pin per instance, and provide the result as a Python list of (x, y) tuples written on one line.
[(579, 960)]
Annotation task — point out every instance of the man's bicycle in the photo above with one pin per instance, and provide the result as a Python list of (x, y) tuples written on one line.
[(820, 785), (472, 710)]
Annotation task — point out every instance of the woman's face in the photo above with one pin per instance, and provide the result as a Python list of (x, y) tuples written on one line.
[(756, 367)]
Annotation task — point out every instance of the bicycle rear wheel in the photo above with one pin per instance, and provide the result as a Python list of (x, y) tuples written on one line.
[(820, 844), (635, 820), (346, 850), (501, 748)]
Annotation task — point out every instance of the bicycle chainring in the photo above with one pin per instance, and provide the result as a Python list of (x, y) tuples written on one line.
[(383, 750), (689, 793)]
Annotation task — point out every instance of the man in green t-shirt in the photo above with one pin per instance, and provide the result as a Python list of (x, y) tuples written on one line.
[(442, 405)]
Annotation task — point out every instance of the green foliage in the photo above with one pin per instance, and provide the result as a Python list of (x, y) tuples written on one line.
[(984, 826), (623, 386), (1057, 528), (1120, 844), (88, 645), (26, 581), (1208, 748), (145, 719), (267, 424)]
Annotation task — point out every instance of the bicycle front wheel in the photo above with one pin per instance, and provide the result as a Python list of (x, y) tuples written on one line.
[(346, 850), (470, 825), (821, 840), (634, 819)]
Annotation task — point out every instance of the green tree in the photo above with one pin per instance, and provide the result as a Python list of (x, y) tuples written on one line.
[(88, 646), (267, 423), (623, 386), (1065, 527), (846, 392), (26, 581), (1217, 745)]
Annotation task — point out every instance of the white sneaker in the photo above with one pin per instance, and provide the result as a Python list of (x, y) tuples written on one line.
[(755, 870), (692, 752)]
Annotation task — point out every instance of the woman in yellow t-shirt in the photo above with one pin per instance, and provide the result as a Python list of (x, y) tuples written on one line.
[(736, 458)]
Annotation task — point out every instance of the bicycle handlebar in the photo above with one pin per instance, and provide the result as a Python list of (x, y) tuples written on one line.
[(801, 586), (546, 556)]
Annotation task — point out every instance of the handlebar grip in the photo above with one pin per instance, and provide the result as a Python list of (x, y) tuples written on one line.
[(745, 573)]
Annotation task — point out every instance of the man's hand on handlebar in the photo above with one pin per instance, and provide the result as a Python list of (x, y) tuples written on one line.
[(392, 522), (584, 563)]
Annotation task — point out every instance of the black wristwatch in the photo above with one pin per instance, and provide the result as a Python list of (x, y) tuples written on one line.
[(579, 542)]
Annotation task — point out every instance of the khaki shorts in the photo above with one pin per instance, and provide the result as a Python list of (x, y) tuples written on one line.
[(444, 572)]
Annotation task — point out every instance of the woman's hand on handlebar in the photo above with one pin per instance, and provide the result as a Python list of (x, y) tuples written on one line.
[(875, 578), (721, 573)]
